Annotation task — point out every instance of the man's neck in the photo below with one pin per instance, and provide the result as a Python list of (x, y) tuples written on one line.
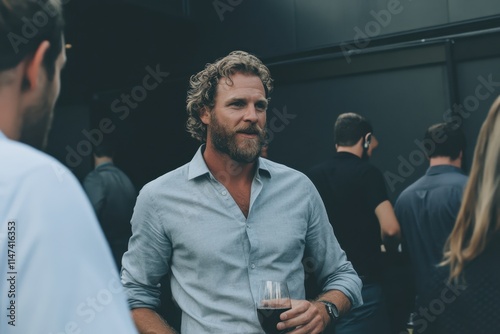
[(227, 171), (102, 160), (356, 150), (437, 161), (10, 117)]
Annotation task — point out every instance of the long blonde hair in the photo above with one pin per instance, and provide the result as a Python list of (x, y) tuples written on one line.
[(479, 215)]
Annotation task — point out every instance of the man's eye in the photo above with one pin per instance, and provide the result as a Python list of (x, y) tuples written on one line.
[(238, 104)]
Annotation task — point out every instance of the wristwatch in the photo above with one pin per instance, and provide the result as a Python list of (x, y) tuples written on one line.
[(331, 309)]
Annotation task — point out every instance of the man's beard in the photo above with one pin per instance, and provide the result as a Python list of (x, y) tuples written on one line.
[(35, 125), (226, 142)]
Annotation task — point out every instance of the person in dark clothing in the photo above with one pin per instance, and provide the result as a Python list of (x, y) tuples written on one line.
[(464, 294), (428, 208), (113, 196), (358, 208)]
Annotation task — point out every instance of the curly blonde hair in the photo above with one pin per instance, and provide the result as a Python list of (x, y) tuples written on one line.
[(203, 86)]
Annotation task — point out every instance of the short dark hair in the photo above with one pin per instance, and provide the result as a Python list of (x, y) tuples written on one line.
[(24, 25), (349, 128), (447, 138)]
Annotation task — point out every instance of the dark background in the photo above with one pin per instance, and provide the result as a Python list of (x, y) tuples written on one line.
[(404, 72)]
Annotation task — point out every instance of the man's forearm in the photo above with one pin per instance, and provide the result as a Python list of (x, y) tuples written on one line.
[(339, 299), (148, 321)]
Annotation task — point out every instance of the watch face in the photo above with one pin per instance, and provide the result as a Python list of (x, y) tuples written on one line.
[(334, 311), (331, 309)]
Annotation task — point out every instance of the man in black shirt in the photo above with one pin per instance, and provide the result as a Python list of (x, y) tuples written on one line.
[(362, 217)]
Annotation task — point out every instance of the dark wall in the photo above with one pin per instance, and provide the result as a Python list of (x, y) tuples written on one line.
[(66, 136), (403, 64), (401, 83), (281, 27), (150, 133), (471, 75), (114, 43), (402, 90), (400, 103)]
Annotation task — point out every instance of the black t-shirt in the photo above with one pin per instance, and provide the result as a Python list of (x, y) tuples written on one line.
[(351, 189)]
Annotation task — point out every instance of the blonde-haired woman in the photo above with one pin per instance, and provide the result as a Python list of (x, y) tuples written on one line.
[(467, 298)]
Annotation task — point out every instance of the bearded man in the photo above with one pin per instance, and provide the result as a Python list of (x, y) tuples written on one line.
[(229, 219)]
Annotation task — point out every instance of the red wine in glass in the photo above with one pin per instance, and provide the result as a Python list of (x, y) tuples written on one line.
[(274, 299), (269, 318)]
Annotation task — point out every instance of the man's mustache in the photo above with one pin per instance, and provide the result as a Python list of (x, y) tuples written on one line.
[(252, 130)]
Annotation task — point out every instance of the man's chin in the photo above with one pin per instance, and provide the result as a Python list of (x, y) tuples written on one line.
[(245, 160), (246, 156)]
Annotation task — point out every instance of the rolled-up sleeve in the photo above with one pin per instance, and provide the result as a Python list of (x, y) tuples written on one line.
[(148, 256), (332, 269)]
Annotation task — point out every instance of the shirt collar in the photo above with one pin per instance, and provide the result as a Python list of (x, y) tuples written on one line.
[(2, 136), (198, 166), (263, 167), (104, 164), (440, 169), (345, 154)]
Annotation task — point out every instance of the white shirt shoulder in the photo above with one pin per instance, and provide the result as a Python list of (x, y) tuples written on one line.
[(62, 276)]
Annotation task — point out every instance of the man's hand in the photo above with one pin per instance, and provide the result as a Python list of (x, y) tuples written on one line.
[(306, 317)]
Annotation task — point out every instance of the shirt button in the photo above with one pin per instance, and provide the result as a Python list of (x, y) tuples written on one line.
[(252, 266), (248, 226), (224, 193)]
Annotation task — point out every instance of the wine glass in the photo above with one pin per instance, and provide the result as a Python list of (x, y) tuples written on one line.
[(274, 299)]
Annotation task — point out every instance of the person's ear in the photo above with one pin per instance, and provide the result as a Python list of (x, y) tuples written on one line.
[(205, 115), (368, 140), (34, 66)]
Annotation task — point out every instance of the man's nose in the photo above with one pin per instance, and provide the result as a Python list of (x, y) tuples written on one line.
[(251, 114)]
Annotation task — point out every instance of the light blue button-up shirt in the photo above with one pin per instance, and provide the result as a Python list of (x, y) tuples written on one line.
[(187, 222)]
